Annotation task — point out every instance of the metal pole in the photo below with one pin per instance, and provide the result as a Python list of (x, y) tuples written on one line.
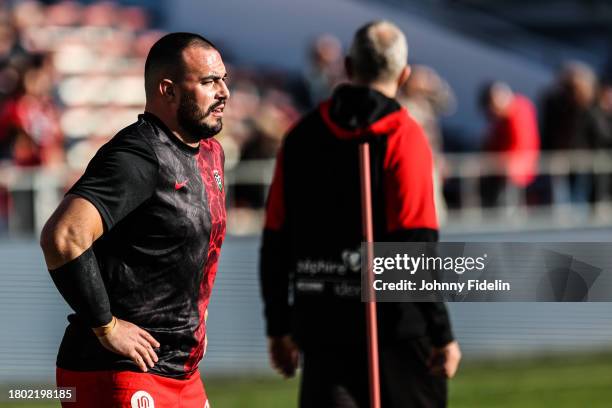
[(368, 236)]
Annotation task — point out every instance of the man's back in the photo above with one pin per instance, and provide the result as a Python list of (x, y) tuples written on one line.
[(316, 209), (310, 257)]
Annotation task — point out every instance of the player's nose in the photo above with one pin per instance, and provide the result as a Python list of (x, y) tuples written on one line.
[(224, 92)]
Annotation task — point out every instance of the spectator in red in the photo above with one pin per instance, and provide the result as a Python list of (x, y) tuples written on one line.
[(32, 118), (513, 131)]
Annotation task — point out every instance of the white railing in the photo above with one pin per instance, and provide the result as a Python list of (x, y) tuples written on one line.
[(552, 189), (34, 193)]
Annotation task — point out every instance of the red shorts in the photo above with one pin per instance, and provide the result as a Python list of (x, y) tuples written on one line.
[(126, 389)]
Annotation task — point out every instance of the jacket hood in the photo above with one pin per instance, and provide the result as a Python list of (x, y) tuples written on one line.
[(356, 111)]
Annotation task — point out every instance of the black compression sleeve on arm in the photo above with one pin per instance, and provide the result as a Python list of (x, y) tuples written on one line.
[(80, 283)]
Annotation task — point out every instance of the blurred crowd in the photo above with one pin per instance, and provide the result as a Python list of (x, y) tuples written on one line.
[(71, 76), (575, 117), (574, 114)]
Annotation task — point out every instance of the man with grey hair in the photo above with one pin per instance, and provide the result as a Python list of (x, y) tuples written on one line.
[(378, 56), (310, 253)]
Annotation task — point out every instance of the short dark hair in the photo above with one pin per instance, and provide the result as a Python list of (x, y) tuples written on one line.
[(165, 56), (488, 90), (485, 94)]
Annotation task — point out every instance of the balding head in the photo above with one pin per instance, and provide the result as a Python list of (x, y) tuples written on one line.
[(185, 85), (166, 60), (378, 54)]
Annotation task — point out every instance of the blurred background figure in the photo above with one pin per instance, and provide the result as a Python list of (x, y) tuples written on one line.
[(602, 117), (513, 132), (71, 77), (571, 121), (325, 68), (566, 107), (273, 117), (32, 119), (428, 97), (603, 114)]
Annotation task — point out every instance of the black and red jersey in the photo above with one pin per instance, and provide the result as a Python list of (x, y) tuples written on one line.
[(310, 266), (163, 207)]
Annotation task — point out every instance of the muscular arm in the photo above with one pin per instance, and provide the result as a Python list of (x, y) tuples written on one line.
[(71, 230), (67, 235), (120, 177)]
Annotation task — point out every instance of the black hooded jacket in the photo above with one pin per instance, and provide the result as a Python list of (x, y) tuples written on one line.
[(309, 274)]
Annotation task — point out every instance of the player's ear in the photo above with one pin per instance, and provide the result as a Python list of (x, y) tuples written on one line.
[(167, 90), (401, 80)]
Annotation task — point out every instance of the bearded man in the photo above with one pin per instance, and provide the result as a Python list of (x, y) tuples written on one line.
[(134, 245)]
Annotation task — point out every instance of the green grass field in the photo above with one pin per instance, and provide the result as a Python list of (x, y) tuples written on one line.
[(559, 382)]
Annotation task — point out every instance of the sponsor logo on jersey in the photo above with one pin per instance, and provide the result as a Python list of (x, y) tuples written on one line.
[(218, 179), (142, 399), (352, 260), (178, 186)]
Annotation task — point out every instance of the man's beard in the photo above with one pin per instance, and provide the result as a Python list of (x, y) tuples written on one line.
[(191, 118)]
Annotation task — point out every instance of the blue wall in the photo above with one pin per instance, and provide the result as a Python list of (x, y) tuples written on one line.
[(33, 315), (276, 33)]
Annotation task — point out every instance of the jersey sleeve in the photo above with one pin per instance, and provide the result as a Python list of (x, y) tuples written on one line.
[(408, 181), (410, 211), (121, 176)]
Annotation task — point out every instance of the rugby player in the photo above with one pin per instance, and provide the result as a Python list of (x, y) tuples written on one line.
[(134, 245)]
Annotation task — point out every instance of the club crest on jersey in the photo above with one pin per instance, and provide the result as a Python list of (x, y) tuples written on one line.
[(218, 179), (142, 399)]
